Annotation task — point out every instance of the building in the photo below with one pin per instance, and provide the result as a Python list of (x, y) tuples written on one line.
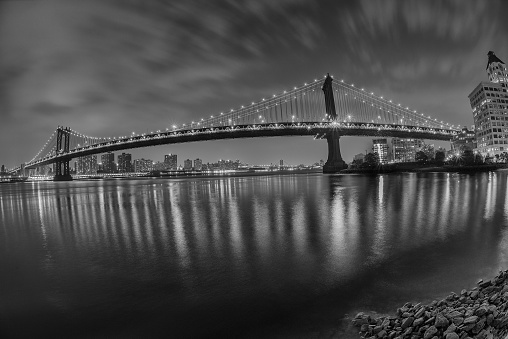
[(198, 164), (108, 163), (125, 163), (187, 164), (3, 169), (404, 149), (170, 161), (465, 139), (86, 165), (489, 104), (380, 146), (142, 165)]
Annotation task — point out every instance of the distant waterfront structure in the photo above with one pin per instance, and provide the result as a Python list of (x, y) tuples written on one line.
[(489, 103), (108, 162), (143, 165), (87, 165), (404, 149), (187, 164), (463, 140), (198, 164), (380, 146), (3, 169), (125, 163), (171, 161)]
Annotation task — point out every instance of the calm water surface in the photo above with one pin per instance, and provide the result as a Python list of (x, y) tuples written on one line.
[(243, 257)]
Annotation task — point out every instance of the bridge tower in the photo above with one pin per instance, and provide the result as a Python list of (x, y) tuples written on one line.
[(334, 163), (62, 167)]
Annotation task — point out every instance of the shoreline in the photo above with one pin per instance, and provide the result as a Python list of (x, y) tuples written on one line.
[(426, 169), (480, 313)]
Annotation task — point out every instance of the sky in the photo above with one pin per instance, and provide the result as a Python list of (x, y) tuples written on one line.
[(111, 67)]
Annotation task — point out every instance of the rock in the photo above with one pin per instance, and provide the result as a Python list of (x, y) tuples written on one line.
[(467, 327), (479, 326), (418, 322), (381, 334), (490, 318), (450, 329), (452, 335), (480, 311), (441, 321), (458, 320), (430, 332), (376, 329), (470, 320), (407, 322), (474, 295), (360, 321), (407, 332), (484, 284), (454, 314), (420, 313)]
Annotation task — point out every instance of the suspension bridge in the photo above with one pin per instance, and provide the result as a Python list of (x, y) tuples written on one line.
[(325, 110)]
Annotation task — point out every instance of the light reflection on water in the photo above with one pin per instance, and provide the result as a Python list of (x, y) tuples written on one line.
[(245, 257)]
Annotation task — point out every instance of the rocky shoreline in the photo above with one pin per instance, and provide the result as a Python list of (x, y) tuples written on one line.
[(480, 313)]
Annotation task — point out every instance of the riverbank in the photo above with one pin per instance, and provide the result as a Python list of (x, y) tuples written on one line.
[(481, 313), (415, 168)]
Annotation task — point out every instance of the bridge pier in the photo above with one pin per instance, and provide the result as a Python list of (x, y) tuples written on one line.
[(63, 172), (334, 163)]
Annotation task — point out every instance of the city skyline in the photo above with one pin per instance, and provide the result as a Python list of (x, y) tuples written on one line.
[(444, 56)]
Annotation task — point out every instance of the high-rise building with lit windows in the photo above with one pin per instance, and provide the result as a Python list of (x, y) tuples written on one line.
[(108, 162), (125, 163), (187, 164), (198, 164), (170, 161), (86, 165), (380, 146), (404, 149), (489, 103)]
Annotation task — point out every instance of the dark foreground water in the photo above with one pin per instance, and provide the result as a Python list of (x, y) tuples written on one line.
[(245, 257)]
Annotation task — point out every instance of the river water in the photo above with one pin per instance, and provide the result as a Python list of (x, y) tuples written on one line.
[(290, 256)]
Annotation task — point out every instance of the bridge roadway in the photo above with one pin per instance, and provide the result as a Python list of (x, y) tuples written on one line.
[(319, 129)]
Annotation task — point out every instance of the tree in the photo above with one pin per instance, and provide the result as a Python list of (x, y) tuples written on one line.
[(421, 157), (357, 163), (467, 157), (440, 157), (503, 157), (478, 159), (371, 160), (429, 151)]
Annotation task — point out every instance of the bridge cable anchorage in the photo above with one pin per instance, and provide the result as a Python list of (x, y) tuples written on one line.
[(348, 107)]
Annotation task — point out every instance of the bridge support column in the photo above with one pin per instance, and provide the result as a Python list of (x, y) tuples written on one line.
[(334, 163), (63, 172)]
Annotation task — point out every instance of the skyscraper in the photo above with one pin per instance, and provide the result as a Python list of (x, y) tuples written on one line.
[(170, 160), (404, 149), (142, 165), (86, 165), (125, 163), (380, 146), (108, 162), (489, 103), (187, 164), (198, 164)]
